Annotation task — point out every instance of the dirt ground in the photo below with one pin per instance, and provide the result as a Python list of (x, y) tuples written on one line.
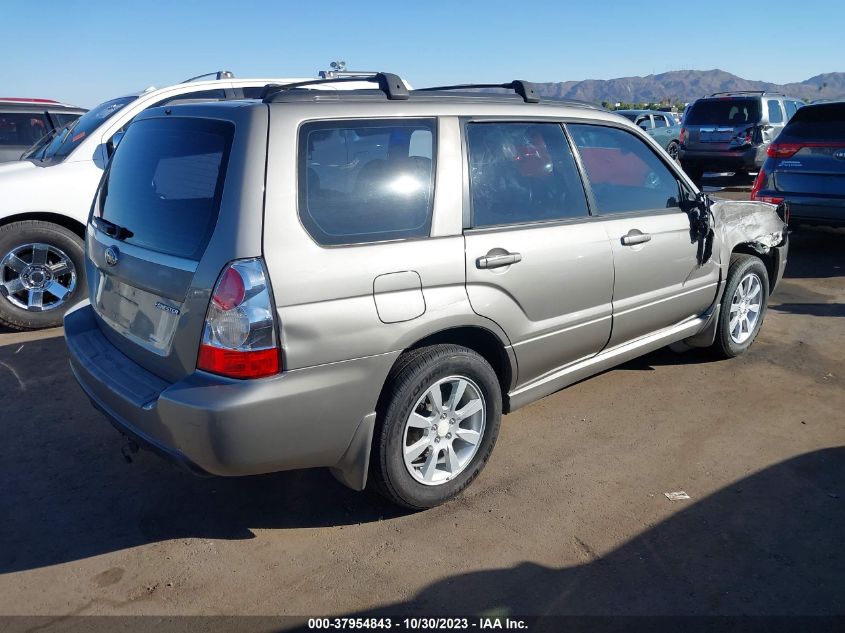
[(568, 517)]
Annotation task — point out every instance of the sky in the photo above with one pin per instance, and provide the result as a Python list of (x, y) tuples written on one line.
[(84, 52)]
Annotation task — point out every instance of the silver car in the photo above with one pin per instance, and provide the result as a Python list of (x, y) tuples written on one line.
[(368, 281)]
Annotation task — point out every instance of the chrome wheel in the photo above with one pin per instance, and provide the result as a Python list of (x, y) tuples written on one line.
[(37, 277), (746, 305), (444, 430)]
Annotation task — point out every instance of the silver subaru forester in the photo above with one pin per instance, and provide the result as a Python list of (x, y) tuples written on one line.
[(368, 280)]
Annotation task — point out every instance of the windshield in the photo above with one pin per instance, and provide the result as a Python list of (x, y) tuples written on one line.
[(629, 115), (724, 112), (72, 134)]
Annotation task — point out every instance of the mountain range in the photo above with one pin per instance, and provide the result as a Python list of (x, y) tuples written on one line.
[(687, 85)]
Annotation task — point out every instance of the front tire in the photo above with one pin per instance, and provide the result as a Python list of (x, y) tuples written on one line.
[(438, 423), (42, 274), (743, 306)]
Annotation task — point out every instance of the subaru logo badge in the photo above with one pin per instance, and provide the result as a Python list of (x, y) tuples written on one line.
[(111, 256), (840, 155)]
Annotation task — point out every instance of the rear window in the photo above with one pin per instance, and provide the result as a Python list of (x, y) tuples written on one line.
[(723, 112), (366, 181), (165, 183), (819, 122)]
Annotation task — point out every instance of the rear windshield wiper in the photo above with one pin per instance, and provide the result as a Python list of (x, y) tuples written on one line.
[(112, 230)]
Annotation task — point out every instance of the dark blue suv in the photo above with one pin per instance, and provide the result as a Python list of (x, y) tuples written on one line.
[(806, 167)]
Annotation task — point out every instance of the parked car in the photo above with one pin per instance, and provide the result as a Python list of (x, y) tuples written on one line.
[(661, 126), (730, 131), (367, 283), (23, 122), (45, 199), (806, 167)]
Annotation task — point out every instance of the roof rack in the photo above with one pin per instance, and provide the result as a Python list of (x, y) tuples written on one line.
[(745, 92), (524, 89), (391, 85), (334, 74), (220, 74)]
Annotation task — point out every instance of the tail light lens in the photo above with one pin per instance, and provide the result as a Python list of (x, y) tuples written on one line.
[(759, 183), (682, 137), (239, 339), (783, 150)]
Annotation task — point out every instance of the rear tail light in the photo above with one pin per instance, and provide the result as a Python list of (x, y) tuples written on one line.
[(239, 339), (759, 183), (682, 137), (783, 150)]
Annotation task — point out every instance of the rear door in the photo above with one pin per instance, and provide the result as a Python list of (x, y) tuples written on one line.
[(658, 280), (536, 263), (162, 229)]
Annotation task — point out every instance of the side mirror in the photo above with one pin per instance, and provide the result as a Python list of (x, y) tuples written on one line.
[(115, 140)]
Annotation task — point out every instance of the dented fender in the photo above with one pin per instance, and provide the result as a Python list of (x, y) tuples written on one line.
[(756, 224)]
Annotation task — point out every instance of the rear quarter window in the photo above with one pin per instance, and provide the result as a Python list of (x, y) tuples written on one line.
[(165, 183), (366, 181)]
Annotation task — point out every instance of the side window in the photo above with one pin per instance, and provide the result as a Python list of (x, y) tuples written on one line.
[(22, 129), (624, 173), (522, 172), (660, 121), (366, 181), (791, 109), (644, 122), (62, 118), (775, 112)]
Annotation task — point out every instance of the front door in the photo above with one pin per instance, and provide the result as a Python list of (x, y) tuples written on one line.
[(536, 263), (659, 281)]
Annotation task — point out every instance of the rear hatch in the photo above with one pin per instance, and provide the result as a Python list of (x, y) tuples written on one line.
[(722, 124), (809, 155), (166, 219)]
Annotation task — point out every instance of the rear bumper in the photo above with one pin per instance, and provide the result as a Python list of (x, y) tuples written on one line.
[(815, 210), (209, 424), (750, 159)]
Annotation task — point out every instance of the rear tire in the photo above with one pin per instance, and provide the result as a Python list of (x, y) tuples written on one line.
[(423, 453), (42, 274), (673, 150), (694, 172), (747, 288)]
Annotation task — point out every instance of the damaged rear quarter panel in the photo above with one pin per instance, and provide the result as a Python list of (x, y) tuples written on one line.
[(754, 223)]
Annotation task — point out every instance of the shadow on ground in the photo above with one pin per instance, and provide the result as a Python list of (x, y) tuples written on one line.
[(770, 544)]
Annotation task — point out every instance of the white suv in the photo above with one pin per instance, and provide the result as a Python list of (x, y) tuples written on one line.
[(45, 199)]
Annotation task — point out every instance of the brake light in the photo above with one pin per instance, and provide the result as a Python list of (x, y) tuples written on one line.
[(783, 150), (758, 184), (682, 137), (239, 338)]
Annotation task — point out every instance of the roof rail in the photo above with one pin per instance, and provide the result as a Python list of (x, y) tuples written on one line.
[(524, 89), (220, 74), (334, 74), (746, 92), (391, 85)]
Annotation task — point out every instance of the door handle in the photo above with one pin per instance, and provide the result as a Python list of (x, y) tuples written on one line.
[(635, 237), (497, 261)]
